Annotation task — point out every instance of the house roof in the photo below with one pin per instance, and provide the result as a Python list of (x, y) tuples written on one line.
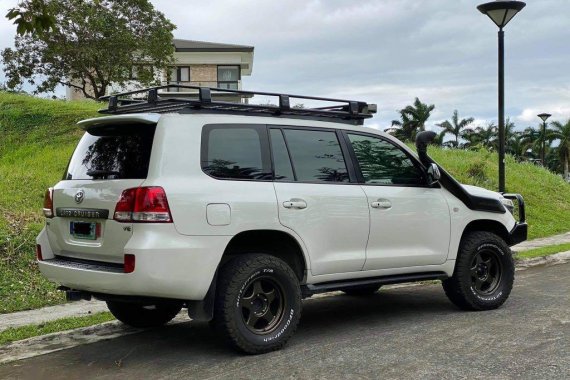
[(191, 46)]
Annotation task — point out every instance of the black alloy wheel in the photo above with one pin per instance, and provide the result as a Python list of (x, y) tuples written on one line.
[(486, 272), (262, 305), (258, 303)]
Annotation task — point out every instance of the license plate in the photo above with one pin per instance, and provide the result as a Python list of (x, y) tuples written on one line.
[(84, 230)]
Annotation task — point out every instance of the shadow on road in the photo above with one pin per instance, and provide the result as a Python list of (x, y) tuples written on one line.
[(322, 319)]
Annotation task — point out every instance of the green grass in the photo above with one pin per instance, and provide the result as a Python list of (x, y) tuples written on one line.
[(37, 137), (25, 332), (547, 196), (543, 251)]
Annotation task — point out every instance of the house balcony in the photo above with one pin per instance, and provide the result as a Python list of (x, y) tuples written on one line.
[(190, 92)]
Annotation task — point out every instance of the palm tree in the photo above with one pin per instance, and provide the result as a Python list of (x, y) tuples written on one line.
[(534, 137), (412, 119), (561, 132), (481, 136), (438, 139), (518, 146), (402, 129), (455, 127)]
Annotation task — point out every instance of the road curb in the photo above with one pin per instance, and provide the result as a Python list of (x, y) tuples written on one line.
[(557, 258), (62, 340)]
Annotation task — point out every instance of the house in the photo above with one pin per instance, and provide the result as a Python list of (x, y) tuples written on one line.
[(197, 63)]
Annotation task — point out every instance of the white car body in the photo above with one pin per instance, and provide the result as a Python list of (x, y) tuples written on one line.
[(341, 235)]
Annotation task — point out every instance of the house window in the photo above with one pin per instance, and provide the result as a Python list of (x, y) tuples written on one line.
[(177, 74), (228, 77)]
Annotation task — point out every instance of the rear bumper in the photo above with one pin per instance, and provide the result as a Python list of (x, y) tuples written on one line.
[(181, 268)]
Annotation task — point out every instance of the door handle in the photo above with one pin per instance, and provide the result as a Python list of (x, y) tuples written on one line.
[(382, 203), (295, 203)]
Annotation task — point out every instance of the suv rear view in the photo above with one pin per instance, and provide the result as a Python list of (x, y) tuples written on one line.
[(237, 212)]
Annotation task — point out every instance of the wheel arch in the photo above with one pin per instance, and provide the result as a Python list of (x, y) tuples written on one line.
[(487, 225), (272, 242)]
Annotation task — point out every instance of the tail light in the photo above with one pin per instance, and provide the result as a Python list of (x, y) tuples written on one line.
[(48, 203), (143, 205), (129, 264)]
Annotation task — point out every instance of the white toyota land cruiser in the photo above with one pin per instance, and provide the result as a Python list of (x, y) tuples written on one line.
[(237, 212)]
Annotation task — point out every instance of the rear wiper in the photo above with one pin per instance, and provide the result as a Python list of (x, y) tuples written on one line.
[(102, 173)]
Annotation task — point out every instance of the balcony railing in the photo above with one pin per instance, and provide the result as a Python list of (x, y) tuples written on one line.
[(211, 84)]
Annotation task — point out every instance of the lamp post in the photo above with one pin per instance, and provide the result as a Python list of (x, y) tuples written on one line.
[(544, 117), (501, 12)]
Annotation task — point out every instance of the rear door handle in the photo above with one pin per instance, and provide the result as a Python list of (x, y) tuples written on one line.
[(382, 203), (295, 203)]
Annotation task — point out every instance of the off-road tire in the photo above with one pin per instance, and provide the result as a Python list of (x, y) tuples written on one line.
[(365, 290), (139, 315), (242, 308), (468, 288)]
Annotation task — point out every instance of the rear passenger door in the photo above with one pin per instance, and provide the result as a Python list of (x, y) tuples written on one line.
[(409, 220), (319, 198)]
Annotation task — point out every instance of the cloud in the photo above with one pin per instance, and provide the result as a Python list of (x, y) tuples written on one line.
[(389, 51)]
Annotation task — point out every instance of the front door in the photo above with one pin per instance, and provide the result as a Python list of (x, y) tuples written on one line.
[(317, 199), (409, 221)]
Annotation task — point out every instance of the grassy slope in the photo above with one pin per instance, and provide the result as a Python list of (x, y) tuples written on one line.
[(547, 196), (37, 137)]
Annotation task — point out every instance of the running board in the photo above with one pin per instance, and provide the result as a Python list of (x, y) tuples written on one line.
[(310, 289)]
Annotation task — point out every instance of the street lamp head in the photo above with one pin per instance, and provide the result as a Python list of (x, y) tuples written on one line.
[(501, 11), (544, 116)]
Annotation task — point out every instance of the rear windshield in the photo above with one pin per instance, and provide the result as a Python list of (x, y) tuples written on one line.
[(112, 152)]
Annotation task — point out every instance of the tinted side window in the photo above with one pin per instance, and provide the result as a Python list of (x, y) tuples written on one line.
[(383, 163), (316, 156), (233, 152), (281, 162), (112, 152)]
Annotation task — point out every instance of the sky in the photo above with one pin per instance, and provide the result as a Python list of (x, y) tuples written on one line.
[(389, 51)]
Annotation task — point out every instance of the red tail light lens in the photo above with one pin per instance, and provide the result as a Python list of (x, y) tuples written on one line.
[(124, 208), (129, 264), (48, 203), (151, 205), (143, 205), (39, 252)]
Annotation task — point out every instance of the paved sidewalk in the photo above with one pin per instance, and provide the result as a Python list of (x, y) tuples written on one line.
[(50, 313), (543, 242)]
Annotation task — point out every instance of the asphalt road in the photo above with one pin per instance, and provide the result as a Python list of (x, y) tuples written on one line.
[(411, 332)]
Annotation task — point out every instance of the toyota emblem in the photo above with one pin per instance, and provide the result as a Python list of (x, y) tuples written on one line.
[(79, 196)]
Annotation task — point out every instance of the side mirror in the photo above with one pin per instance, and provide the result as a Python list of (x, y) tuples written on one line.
[(433, 173)]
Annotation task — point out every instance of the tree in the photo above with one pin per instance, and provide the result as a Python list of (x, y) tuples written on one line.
[(412, 119), (517, 146), (93, 43), (455, 127), (481, 136), (533, 138), (561, 132), (31, 16)]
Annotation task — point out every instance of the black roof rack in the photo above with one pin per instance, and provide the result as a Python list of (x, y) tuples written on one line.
[(200, 100)]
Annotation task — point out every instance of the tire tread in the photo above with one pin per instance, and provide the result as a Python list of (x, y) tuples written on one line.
[(456, 290), (230, 281)]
